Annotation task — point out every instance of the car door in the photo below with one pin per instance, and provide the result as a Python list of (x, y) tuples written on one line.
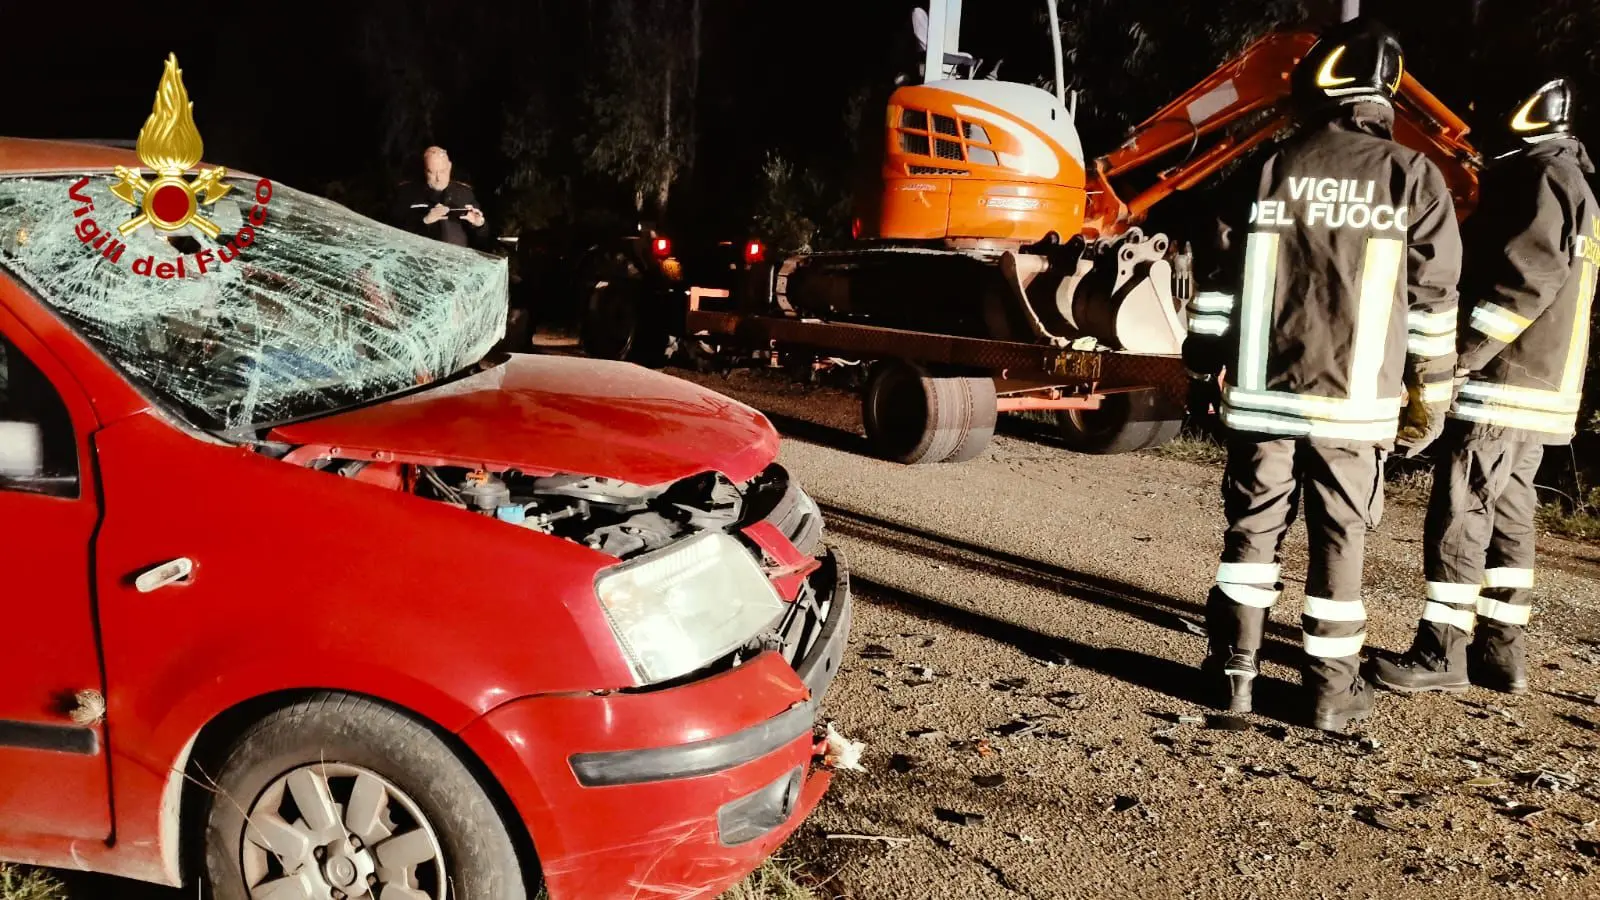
[(54, 777)]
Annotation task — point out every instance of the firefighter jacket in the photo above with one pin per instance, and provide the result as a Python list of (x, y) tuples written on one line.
[(1528, 291), (1340, 260)]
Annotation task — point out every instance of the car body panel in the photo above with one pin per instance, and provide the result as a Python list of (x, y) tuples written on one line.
[(659, 839), (51, 649), (304, 581), (547, 415)]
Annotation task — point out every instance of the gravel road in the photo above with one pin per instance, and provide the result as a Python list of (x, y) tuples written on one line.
[(1035, 724)]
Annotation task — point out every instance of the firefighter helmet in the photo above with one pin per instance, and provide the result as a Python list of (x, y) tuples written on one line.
[(1354, 60), (1547, 111)]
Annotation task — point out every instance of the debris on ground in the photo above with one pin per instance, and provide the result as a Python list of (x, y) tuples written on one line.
[(1522, 812), (1554, 782), (956, 818), (1227, 723), (876, 651), (988, 781), (1484, 781), (1192, 626), (902, 763), (1008, 684), (1022, 725), (1067, 699), (926, 734), (980, 747), (1371, 816), (924, 673), (1122, 804), (842, 753)]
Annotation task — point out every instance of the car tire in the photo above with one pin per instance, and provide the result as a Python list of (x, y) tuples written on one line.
[(617, 325), (1123, 423), (354, 748), (915, 418)]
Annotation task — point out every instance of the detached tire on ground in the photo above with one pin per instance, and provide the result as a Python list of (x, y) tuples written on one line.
[(1123, 423), (340, 795), (915, 418)]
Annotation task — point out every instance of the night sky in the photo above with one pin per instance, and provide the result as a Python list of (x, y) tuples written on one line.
[(279, 93), (308, 101)]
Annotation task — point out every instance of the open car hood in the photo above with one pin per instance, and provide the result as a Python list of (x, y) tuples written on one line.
[(551, 415)]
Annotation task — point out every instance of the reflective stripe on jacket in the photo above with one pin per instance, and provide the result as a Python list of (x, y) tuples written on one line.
[(1348, 263), (1529, 288)]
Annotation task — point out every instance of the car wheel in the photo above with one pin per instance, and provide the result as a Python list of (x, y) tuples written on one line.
[(340, 796), (1123, 423), (915, 418), (616, 325)]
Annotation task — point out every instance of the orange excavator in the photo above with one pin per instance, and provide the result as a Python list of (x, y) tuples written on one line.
[(997, 268)]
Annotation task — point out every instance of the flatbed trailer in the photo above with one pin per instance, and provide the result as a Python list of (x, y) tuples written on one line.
[(933, 397)]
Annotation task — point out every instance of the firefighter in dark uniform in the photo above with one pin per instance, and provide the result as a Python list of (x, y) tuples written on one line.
[(1528, 291), (1334, 330), (437, 207)]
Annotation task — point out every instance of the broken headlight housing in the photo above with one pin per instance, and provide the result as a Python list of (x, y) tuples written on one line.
[(687, 605)]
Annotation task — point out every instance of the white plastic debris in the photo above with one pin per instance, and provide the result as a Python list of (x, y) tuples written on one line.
[(842, 753)]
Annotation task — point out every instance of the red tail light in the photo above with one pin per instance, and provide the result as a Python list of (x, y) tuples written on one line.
[(661, 247), (855, 229), (754, 252)]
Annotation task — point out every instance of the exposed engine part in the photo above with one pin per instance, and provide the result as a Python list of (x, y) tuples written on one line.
[(624, 519), (599, 490), (636, 533), (484, 492), (710, 500)]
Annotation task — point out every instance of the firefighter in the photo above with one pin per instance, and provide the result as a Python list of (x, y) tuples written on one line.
[(1528, 290), (1337, 321)]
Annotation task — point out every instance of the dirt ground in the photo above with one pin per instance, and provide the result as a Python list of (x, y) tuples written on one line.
[(1037, 728)]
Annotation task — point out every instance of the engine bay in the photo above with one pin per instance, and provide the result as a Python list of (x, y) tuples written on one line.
[(614, 517)]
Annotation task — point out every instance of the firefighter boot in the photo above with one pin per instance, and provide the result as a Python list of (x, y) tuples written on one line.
[(1497, 658), (1234, 632), (1437, 661), (1338, 694)]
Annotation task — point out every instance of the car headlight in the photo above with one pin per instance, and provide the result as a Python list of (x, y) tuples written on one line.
[(683, 607)]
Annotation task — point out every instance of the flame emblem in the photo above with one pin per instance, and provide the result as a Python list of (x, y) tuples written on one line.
[(170, 145)]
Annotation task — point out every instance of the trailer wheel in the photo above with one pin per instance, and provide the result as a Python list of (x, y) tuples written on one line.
[(617, 325), (1123, 423), (915, 418)]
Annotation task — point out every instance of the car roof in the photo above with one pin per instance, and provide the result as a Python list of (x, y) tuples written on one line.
[(32, 156)]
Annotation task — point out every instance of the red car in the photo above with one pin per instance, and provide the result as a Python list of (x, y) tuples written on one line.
[(308, 594)]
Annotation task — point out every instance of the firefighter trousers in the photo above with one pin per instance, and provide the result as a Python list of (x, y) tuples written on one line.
[(1478, 541), (1262, 489)]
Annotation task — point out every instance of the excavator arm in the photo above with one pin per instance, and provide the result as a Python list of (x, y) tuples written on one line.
[(1243, 104)]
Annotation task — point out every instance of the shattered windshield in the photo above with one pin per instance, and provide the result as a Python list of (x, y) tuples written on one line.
[(310, 309)]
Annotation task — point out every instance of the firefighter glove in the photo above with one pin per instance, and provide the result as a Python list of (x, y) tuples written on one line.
[(1421, 423)]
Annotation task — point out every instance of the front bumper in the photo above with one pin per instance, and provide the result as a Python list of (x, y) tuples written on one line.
[(674, 793)]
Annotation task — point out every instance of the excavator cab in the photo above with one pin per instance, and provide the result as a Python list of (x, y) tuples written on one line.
[(975, 159)]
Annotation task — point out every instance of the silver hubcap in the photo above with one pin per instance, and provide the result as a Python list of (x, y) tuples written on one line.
[(330, 831)]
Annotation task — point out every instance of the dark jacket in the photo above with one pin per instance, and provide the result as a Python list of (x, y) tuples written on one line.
[(1529, 291), (1342, 257), (413, 199)]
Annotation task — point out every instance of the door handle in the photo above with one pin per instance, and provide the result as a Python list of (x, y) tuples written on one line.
[(170, 572)]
